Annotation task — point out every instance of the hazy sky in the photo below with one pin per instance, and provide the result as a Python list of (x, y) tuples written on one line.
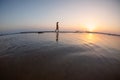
[(22, 15)]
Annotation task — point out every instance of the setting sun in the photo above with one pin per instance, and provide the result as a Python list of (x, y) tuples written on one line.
[(90, 27)]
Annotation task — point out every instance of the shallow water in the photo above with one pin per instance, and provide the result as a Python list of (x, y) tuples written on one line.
[(63, 56)]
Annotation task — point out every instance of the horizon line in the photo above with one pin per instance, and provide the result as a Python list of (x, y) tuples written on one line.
[(51, 31)]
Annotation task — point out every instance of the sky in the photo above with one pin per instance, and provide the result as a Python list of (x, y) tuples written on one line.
[(77, 15)]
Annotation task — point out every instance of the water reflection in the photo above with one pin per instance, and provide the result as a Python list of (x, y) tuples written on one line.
[(72, 57), (57, 36), (91, 38)]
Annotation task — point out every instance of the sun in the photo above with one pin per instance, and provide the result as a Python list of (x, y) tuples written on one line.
[(90, 27)]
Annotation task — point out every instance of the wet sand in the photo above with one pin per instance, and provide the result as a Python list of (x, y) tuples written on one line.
[(63, 56)]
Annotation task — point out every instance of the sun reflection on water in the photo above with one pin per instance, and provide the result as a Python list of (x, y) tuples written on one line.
[(91, 38)]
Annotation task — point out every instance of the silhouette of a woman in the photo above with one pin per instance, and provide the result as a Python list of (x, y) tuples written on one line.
[(57, 27)]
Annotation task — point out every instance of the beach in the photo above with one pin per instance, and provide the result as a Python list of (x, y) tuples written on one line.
[(59, 56)]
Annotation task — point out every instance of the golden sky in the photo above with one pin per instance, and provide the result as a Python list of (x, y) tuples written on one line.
[(91, 15)]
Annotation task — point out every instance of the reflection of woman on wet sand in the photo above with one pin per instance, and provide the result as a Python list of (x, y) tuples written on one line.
[(57, 36)]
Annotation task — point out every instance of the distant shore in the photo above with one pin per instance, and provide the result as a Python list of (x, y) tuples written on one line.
[(40, 32)]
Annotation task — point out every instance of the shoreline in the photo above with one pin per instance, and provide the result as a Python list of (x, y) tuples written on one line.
[(40, 32)]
